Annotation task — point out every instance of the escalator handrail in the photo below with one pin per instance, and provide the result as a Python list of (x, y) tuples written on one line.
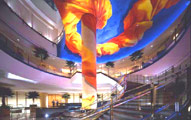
[(130, 98)]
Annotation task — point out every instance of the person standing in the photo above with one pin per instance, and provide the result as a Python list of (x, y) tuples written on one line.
[(57, 103), (53, 103)]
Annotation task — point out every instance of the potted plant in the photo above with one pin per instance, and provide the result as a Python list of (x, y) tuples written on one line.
[(41, 52), (109, 65), (136, 55), (4, 93), (66, 96), (33, 95), (70, 64)]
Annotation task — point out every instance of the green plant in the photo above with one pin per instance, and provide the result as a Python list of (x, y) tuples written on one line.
[(66, 96), (70, 64), (33, 95), (4, 93), (98, 96), (5, 107), (41, 52), (136, 55), (109, 65)]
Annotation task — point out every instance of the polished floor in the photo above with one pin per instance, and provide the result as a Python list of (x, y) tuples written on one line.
[(28, 116)]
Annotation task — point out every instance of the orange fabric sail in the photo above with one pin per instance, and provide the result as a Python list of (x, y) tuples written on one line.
[(71, 12), (94, 15), (137, 21)]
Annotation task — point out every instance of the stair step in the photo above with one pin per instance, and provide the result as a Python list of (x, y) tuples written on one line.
[(125, 116), (132, 111)]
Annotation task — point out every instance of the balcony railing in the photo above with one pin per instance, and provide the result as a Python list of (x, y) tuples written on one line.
[(160, 98), (24, 52), (35, 23)]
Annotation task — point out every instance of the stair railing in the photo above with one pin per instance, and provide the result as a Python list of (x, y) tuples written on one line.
[(163, 82)]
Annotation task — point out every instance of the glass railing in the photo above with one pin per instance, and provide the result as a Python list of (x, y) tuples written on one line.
[(155, 101), (176, 97), (142, 79), (33, 22), (23, 50), (165, 47)]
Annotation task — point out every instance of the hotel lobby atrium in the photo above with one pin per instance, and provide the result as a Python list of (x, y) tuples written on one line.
[(95, 60)]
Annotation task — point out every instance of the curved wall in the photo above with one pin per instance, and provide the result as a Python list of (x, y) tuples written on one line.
[(174, 57), (7, 17), (34, 16)]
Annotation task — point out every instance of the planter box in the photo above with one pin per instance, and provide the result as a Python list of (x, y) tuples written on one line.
[(33, 108), (4, 112)]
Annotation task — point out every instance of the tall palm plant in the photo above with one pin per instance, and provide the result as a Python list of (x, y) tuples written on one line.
[(33, 95), (71, 65), (41, 53), (4, 93), (136, 55), (109, 65), (66, 96)]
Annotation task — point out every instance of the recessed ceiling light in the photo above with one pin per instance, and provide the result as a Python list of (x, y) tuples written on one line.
[(16, 77), (174, 38), (29, 24), (189, 108)]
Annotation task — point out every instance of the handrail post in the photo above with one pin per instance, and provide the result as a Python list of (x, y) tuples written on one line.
[(116, 92), (153, 98), (111, 109), (188, 70)]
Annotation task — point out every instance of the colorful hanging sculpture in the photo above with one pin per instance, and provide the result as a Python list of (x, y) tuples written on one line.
[(94, 15)]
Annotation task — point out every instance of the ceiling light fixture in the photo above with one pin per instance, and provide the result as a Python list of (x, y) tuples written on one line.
[(16, 77), (145, 75), (174, 38), (29, 24)]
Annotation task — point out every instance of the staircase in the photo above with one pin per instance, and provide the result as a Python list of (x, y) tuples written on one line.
[(137, 109)]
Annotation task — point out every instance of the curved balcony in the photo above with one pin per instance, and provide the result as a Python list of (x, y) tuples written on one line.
[(40, 17), (162, 76), (12, 23), (24, 50)]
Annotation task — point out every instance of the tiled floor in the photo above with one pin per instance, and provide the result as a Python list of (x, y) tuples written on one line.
[(19, 116), (28, 116)]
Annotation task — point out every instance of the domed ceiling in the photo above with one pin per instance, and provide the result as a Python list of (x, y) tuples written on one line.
[(123, 26)]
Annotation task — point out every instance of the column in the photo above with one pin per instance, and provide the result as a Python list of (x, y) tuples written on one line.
[(89, 92), (153, 98), (43, 100), (16, 94), (73, 97), (25, 99)]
